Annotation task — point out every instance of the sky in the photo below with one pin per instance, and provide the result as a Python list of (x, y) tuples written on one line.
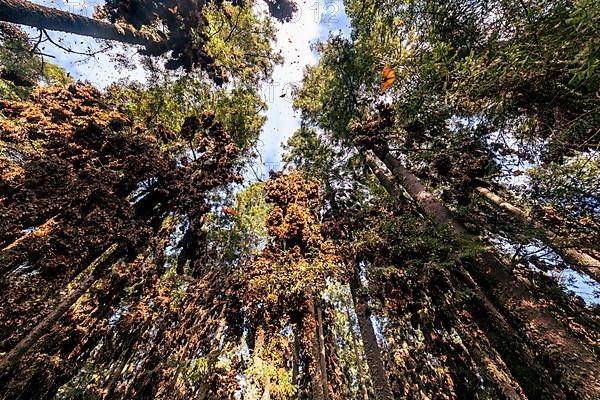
[(313, 21)]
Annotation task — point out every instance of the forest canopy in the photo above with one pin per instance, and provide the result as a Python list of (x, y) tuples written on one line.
[(431, 231)]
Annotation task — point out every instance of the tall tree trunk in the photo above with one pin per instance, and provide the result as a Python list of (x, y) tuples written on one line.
[(577, 258), (491, 365), (519, 357), (570, 362), (323, 362), (317, 380), (295, 359), (359, 363), (27, 13), (382, 177), (381, 385), (431, 206), (13, 356)]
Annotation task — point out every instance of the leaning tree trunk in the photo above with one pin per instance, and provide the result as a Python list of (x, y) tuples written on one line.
[(381, 385), (27, 13), (577, 258), (571, 363), (519, 357)]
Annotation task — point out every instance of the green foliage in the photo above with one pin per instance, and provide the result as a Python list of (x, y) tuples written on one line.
[(166, 104), (241, 236), (567, 195), (307, 151), (267, 375), (240, 41), (21, 68)]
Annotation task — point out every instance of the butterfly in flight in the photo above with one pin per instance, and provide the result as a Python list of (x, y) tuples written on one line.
[(389, 76)]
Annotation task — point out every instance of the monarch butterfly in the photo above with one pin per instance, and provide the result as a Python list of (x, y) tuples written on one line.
[(389, 76), (229, 211)]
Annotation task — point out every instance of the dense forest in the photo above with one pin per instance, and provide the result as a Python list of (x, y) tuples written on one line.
[(433, 231)]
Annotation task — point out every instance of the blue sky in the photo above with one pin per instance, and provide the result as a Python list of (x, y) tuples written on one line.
[(313, 21)]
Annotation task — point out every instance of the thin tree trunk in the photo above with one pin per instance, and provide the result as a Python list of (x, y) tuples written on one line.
[(118, 369), (13, 356), (322, 351), (577, 258), (14, 254), (40, 231), (359, 362), (382, 177), (27, 13), (490, 362), (317, 380), (381, 385), (569, 360), (296, 359)]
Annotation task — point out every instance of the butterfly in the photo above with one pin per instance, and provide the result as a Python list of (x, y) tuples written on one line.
[(389, 76), (229, 211)]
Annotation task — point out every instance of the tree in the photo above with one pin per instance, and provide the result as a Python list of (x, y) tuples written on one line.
[(22, 67), (187, 24), (28, 13), (291, 271)]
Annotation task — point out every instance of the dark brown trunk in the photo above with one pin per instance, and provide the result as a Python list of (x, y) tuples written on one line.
[(295, 360), (27, 13), (580, 260), (381, 385), (317, 380), (490, 363), (13, 356), (571, 363), (323, 360)]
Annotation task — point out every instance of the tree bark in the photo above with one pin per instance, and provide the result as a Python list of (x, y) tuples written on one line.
[(578, 259), (13, 356), (27, 13), (382, 177), (431, 206), (317, 380), (359, 362), (570, 362), (295, 359), (381, 385), (323, 362)]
